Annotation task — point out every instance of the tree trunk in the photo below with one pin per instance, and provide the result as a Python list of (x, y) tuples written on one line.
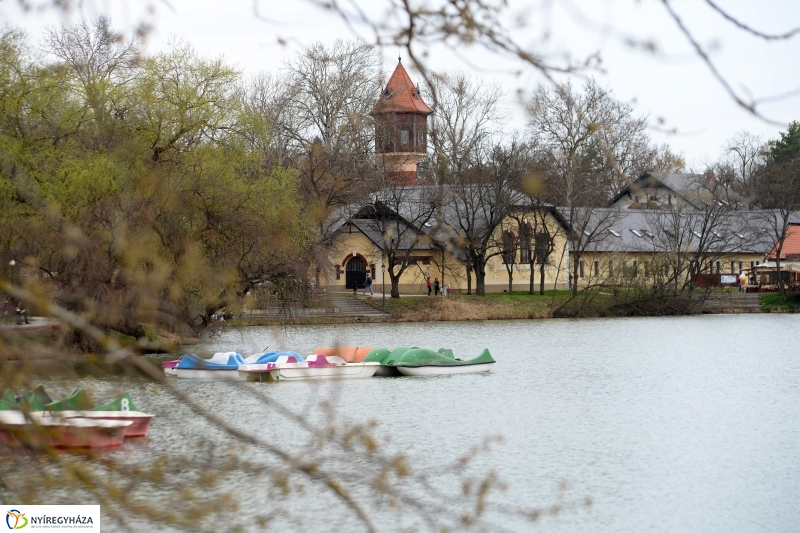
[(511, 279), (541, 279), (480, 277), (575, 266), (532, 271), (781, 285), (469, 279), (395, 282)]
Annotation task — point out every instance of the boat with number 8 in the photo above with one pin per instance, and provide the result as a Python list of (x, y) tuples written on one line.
[(77, 405)]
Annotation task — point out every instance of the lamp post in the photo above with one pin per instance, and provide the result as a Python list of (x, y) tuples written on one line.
[(383, 283)]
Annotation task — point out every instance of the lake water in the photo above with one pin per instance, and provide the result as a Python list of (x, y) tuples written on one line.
[(677, 424)]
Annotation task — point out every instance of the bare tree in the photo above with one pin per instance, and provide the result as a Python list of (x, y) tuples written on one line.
[(744, 154), (320, 113), (403, 217), (596, 145), (466, 117), (477, 203)]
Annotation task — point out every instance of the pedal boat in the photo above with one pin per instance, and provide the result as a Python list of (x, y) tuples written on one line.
[(32, 430), (316, 366), (422, 362), (78, 406)]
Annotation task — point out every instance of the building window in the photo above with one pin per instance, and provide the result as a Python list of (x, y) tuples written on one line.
[(509, 247), (581, 266), (404, 137), (740, 266), (718, 267), (525, 233), (542, 247), (420, 139), (597, 268), (733, 267), (635, 269), (610, 268)]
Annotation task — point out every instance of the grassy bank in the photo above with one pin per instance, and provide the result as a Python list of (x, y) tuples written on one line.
[(493, 306), (772, 302)]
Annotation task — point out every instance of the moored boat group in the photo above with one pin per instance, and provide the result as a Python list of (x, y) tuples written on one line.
[(343, 362), (35, 421)]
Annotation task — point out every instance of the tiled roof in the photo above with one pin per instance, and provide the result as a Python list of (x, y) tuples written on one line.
[(401, 96), (649, 230), (791, 246)]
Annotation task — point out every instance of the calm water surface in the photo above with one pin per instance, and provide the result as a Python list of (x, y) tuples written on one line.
[(669, 424)]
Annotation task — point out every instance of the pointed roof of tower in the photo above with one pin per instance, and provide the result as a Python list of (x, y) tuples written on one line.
[(401, 95)]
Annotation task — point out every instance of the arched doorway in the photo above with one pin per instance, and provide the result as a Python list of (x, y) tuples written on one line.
[(356, 273)]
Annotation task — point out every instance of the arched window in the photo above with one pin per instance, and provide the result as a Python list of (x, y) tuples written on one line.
[(509, 247), (525, 234), (355, 273)]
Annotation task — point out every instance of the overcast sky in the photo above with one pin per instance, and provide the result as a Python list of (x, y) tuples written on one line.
[(671, 86)]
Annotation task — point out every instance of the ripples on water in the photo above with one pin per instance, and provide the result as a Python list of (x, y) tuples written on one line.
[(668, 424)]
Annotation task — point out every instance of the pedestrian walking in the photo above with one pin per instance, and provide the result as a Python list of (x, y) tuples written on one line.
[(428, 281), (368, 286), (436, 287)]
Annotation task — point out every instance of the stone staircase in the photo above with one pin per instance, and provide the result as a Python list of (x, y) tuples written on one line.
[(347, 306), (733, 303)]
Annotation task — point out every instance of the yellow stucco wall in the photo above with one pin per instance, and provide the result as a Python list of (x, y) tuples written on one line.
[(444, 265)]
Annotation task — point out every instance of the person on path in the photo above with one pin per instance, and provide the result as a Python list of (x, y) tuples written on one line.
[(368, 285), (447, 290), (436, 286), (428, 281), (742, 281)]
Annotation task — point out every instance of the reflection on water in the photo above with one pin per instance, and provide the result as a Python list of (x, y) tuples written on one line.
[(668, 424)]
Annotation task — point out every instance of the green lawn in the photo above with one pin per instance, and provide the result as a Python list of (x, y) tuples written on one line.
[(772, 301)]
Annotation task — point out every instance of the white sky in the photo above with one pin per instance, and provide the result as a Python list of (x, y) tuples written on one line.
[(672, 84)]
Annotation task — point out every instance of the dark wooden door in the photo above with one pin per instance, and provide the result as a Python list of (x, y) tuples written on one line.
[(355, 273)]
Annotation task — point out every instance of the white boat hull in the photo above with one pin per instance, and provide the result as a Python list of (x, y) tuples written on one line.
[(199, 373), (40, 432), (140, 422), (349, 371), (443, 370), (302, 371), (171, 372)]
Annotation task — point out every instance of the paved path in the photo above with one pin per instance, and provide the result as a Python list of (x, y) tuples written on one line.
[(36, 322)]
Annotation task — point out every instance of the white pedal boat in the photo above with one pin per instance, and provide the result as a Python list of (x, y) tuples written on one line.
[(443, 370), (314, 367), (42, 431)]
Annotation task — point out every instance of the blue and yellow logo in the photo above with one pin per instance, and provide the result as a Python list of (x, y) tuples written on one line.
[(17, 516)]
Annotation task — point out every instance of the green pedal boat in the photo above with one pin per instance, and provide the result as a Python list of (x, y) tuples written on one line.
[(412, 361)]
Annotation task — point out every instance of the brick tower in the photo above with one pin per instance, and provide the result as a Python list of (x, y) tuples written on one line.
[(401, 128)]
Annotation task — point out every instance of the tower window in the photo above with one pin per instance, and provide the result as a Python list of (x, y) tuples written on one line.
[(403, 136)]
